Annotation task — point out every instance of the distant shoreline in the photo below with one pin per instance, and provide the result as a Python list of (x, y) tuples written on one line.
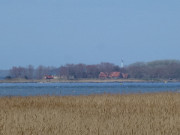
[(86, 81)]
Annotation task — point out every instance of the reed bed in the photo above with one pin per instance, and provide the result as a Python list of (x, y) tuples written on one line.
[(134, 114)]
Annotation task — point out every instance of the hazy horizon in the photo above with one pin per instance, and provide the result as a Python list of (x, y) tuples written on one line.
[(119, 64), (55, 33)]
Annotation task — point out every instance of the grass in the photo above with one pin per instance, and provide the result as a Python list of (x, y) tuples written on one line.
[(135, 114)]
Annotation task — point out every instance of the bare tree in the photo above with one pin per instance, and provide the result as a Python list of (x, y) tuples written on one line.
[(18, 72), (30, 72), (40, 72)]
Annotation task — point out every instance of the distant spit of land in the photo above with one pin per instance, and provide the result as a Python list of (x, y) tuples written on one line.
[(85, 80), (155, 71)]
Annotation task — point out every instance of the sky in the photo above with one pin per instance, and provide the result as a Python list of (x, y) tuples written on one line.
[(57, 32)]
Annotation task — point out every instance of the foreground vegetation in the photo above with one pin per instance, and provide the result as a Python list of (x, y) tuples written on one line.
[(135, 114)]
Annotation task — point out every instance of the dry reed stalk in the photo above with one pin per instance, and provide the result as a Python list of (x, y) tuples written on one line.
[(135, 114)]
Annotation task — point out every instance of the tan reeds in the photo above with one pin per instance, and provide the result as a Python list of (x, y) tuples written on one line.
[(135, 114)]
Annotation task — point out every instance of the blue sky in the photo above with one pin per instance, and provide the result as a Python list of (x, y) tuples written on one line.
[(57, 32)]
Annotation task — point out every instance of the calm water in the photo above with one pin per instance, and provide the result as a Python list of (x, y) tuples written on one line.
[(33, 89)]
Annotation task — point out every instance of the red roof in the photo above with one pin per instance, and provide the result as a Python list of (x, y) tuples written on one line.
[(49, 77), (103, 75), (115, 74), (125, 76)]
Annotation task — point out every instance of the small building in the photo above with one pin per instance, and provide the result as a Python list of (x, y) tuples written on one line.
[(115, 75), (103, 75), (125, 75), (49, 77)]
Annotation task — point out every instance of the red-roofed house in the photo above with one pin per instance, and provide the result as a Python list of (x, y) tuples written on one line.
[(103, 75), (115, 75), (49, 77), (125, 76)]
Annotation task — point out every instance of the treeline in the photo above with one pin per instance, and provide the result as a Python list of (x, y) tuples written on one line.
[(162, 69), (68, 71), (30, 72)]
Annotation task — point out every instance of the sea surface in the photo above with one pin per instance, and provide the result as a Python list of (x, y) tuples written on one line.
[(66, 89)]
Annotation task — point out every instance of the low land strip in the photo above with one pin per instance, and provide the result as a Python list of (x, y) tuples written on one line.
[(20, 80), (134, 114)]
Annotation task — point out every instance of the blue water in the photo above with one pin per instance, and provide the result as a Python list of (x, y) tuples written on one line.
[(64, 89)]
